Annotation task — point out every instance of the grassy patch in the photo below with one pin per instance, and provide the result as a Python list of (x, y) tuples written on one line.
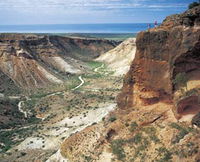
[(151, 131), (94, 64), (181, 134), (112, 118), (164, 154), (10, 138), (117, 149), (72, 82), (133, 126)]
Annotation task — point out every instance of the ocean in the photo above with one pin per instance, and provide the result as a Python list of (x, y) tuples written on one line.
[(75, 28)]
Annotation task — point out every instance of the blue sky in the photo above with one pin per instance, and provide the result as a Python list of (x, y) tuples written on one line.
[(87, 11)]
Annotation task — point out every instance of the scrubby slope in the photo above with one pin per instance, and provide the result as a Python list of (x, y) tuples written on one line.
[(159, 90), (34, 61)]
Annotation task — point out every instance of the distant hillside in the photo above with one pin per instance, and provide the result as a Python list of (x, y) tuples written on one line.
[(119, 59), (37, 60)]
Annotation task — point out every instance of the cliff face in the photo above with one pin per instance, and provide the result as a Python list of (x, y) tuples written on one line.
[(159, 98), (36, 61), (167, 65)]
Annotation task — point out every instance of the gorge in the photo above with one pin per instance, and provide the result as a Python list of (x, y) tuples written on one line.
[(102, 100)]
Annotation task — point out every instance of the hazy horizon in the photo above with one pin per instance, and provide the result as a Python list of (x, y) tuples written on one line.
[(26, 12), (76, 28)]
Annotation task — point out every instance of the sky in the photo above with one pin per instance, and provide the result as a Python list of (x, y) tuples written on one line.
[(14, 12)]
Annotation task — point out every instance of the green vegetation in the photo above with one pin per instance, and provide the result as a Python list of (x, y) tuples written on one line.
[(165, 154), (72, 82), (181, 134), (191, 92), (137, 138), (15, 136), (133, 126), (142, 143), (187, 150), (7, 86), (151, 131), (94, 64), (112, 118), (93, 76), (193, 4), (9, 109), (117, 148), (87, 158), (181, 81)]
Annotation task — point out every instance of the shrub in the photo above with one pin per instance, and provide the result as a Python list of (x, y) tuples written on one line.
[(181, 134), (23, 153), (117, 148), (193, 4), (181, 79), (112, 119), (133, 126), (165, 154), (137, 138)]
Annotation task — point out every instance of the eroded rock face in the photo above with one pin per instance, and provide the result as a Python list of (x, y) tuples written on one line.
[(35, 60), (119, 59), (163, 80), (163, 53)]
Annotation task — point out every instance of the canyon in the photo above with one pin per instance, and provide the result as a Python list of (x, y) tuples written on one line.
[(158, 107), (81, 100)]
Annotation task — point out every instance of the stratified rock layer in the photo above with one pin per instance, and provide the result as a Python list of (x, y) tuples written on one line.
[(167, 64), (159, 98), (37, 60)]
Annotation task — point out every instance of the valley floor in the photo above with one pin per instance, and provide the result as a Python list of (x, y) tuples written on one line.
[(59, 112)]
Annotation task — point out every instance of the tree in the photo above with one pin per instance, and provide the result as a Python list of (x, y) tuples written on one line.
[(194, 4)]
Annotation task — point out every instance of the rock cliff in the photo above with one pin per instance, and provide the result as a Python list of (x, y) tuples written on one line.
[(159, 98), (167, 65)]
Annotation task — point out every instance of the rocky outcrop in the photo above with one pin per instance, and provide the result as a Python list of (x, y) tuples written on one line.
[(38, 60), (119, 59), (159, 96), (167, 64)]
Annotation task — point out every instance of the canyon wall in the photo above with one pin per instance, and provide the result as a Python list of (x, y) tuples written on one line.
[(166, 67), (37, 60), (159, 99)]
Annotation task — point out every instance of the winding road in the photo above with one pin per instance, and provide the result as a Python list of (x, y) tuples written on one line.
[(20, 104), (82, 82), (96, 69), (21, 110)]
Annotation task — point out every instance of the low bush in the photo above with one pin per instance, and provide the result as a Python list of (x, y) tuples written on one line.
[(133, 126), (112, 119), (117, 148), (193, 4)]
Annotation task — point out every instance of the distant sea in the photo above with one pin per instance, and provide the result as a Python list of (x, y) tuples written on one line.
[(75, 28)]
